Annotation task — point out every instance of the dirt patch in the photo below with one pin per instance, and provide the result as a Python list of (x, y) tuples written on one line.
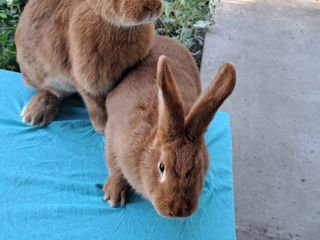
[(197, 49)]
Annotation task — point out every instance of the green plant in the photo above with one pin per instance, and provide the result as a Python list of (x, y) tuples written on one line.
[(185, 21), (10, 11)]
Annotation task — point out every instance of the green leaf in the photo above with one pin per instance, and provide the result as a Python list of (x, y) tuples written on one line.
[(3, 15), (187, 33), (175, 38), (3, 39), (201, 24), (188, 43), (167, 20)]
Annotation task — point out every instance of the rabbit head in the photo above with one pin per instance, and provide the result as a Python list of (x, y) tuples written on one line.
[(177, 157), (127, 12)]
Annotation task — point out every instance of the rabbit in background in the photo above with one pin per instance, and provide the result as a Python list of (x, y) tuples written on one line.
[(155, 131), (81, 46)]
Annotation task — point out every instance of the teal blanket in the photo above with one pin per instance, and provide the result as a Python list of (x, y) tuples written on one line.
[(51, 178)]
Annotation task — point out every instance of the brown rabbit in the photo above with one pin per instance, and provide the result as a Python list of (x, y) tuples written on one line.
[(80, 45), (155, 133)]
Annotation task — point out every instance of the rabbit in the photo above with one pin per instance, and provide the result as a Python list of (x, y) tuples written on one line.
[(81, 46), (155, 134)]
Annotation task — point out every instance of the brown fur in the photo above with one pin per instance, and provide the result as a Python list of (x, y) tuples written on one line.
[(44, 102), (84, 46), (158, 116)]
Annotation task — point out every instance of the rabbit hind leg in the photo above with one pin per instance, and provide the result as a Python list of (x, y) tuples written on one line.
[(44, 105)]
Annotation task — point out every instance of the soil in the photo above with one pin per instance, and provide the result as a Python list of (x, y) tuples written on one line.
[(197, 49)]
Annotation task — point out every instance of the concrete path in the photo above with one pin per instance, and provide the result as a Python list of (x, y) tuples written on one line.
[(275, 113)]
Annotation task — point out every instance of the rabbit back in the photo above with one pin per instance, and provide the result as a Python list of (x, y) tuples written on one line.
[(133, 105), (67, 40)]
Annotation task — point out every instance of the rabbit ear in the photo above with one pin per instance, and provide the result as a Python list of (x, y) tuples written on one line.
[(208, 103), (171, 112)]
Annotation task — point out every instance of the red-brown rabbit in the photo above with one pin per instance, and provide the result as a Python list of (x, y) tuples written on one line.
[(155, 133), (80, 45)]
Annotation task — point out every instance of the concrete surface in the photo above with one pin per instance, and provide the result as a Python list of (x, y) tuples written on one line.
[(275, 113)]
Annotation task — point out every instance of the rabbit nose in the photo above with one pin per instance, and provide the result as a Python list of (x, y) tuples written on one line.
[(180, 212), (182, 208)]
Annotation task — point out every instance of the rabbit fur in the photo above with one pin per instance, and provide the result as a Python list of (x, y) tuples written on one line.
[(81, 46), (155, 133)]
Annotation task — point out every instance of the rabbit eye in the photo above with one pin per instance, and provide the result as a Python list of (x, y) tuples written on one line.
[(161, 167)]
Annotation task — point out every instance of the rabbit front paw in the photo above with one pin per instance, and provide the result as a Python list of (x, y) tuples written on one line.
[(115, 190), (41, 109)]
